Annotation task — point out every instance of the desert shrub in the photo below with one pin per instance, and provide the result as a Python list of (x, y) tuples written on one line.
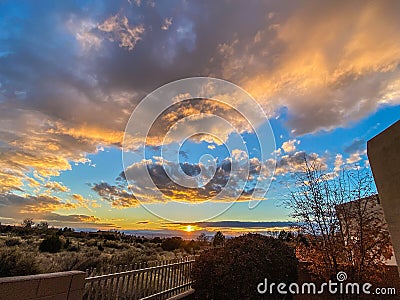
[(130, 256), (72, 248), (170, 244), (52, 244), (140, 246), (91, 260), (235, 270), (91, 243), (67, 243), (110, 237), (190, 246), (13, 242), (17, 263), (156, 240), (114, 244), (66, 261), (5, 228)]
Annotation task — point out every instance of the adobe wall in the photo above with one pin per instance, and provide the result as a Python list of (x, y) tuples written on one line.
[(384, 158), (61, 286)]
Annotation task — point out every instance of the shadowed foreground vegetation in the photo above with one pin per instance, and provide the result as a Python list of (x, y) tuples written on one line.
[(28, 249), (235, 270)]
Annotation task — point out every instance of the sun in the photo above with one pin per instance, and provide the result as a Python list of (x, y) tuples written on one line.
[(189, 228)]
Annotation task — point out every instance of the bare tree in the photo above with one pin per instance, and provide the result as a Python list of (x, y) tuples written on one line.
[(366, 238), (339, 234), (28, 223)]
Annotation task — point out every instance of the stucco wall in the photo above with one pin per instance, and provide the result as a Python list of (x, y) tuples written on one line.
[(384, 157), (57, 286)]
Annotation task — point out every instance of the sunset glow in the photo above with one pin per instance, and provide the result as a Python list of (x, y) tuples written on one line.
[(189, 228)]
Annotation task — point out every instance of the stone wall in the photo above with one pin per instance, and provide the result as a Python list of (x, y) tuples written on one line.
[(58, 286)]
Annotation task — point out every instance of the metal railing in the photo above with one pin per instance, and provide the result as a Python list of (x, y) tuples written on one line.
[(159, 280)]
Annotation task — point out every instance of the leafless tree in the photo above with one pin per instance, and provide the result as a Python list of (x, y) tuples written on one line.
[(28, 223), (341, 220)]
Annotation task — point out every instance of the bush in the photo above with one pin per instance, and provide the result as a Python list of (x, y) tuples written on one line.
[(190, 246), (17, 263), (114, 244), (171, 244), (72, 248), (13, 242), (91, 243), (234, 271), (52, 244)]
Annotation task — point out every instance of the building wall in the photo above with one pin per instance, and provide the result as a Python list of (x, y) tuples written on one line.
[(58, 286), (350, 220), (384, 158)]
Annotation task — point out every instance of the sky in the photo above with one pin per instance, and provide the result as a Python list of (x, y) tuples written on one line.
[(325, 75)]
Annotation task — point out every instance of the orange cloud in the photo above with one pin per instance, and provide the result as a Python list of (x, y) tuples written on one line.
[(56, 186), (320, 59), (91, 134)]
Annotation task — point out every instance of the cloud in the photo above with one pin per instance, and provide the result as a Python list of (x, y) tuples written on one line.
[(229, 227), (84, 202), (116, 195), (355, 157), (15, 208), (84, 31), (166, 24), (242, 224), (190, 182), (118, 29), (195, 116), (295, 162), (38, 147), (76, 221), (356, 145), (71, 73), (56, 186), (31, 204), (290, 146), (324, 62), (338, 162)]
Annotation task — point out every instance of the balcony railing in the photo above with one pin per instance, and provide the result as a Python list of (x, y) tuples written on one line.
[(159, 280)]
